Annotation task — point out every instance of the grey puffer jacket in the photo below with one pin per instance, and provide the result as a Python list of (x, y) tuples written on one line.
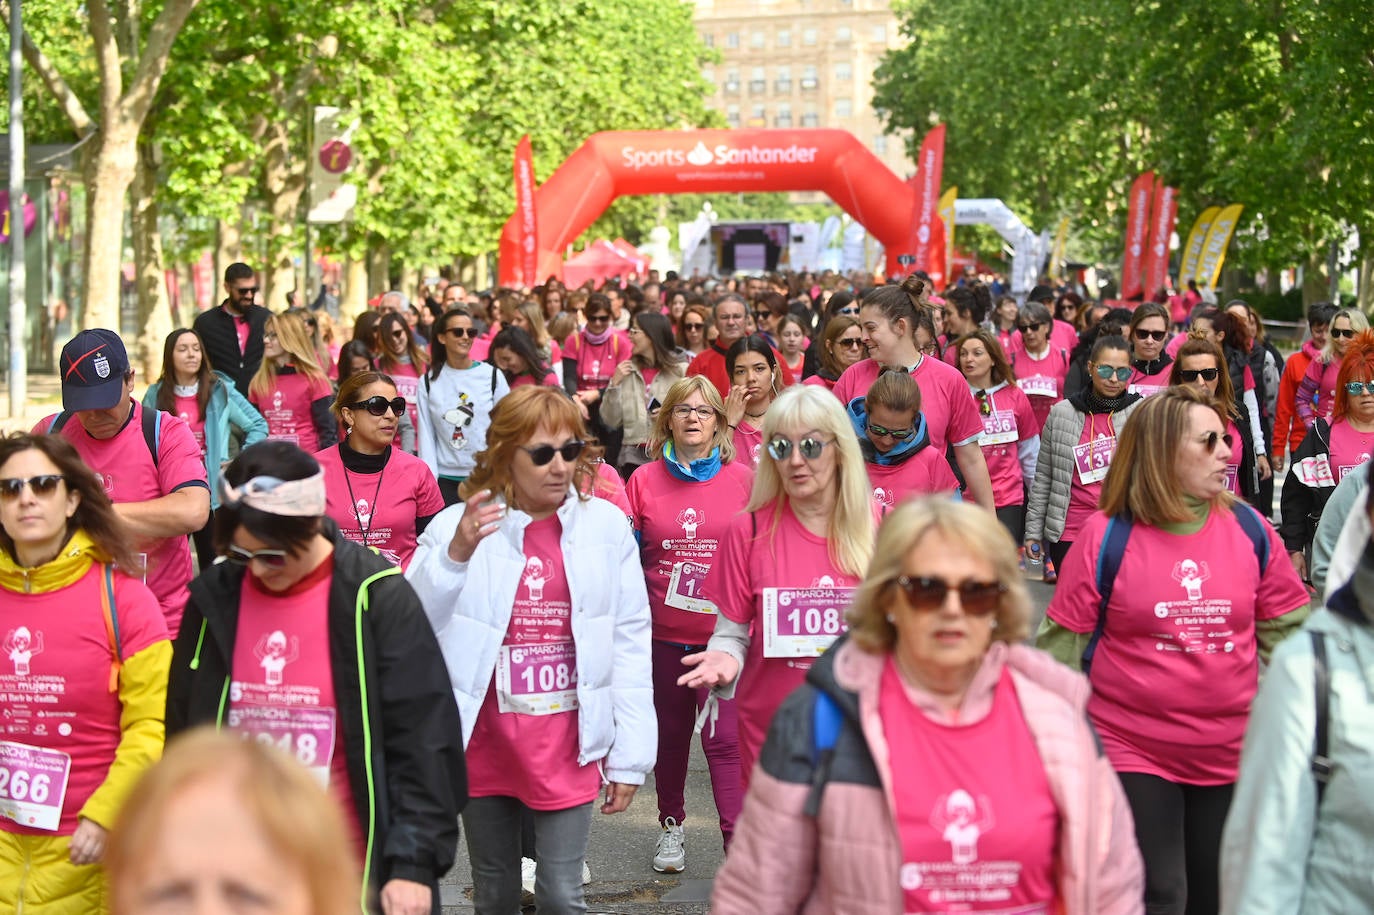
[(1048, 505)]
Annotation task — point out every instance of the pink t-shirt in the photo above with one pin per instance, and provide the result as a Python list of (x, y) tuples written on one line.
[(748, 443), (1042, 379), (549, 381), (1233, 465), (524, 743), (680, 527), (1062, 333), (1091, 458), (1010, 422), (951, 415), (407, 380), (1349, 448), (610, 487), (187, 409), (1325, 374), (286, 407), (127, 470), (281, 689), (378, 510), (1145, 385), (979, 826), (820, 382), (596, 362), (55, 698), (784, 585), (925, 472), (1176, 668)]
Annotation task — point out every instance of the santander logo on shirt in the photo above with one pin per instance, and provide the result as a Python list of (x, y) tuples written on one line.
[(20, 647), (274, 651)]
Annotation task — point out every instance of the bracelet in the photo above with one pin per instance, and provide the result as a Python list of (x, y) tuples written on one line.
[(731, 426)]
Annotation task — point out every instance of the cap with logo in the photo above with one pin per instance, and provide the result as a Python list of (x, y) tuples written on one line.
[(93, 366), (1041, 294)]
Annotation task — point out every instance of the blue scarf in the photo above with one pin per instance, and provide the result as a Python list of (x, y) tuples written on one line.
[(918, 440), (700, 470)]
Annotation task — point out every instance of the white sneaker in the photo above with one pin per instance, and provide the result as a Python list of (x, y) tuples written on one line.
[(670, 855), (527, 866), (586, 874)]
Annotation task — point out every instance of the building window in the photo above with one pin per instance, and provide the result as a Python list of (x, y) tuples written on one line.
[(784, 116), (808, 79), (708, 74), (756, 39), (880, 33), (843, 34), (810, 118), (784, 38), (809, 37), (758, 80), (783, 84), (732, 115), (732, 80), (708, 39), (732, 39), (844, 71), (844, 107), (880, 144)]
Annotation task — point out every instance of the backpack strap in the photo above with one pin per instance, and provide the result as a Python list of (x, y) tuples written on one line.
[(1108, 564), (1253, 526), (1321, 682), (58, 422), (152, 432), (493, 381), (826, 721), (107, 606)]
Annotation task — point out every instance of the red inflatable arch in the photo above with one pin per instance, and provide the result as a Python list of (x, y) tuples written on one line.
[(619, 163)]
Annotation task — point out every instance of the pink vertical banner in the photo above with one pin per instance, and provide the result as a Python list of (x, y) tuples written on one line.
[(1137, 236), (923, 246), (1162, 216), (524, 208)]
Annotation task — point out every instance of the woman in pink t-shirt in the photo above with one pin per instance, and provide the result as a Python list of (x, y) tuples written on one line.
[(402, 359), (514, 352), (1200, 362), (895, 443), (755, 381), (1318, 386), (788, 565), (1198, 591), (681, 507), (381, 497), (932, 762), (67, 586), (1011, 433), (1041, 366), (290, 389), (841, 345)]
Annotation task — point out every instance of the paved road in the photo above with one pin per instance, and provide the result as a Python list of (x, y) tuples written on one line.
[(622, 847)]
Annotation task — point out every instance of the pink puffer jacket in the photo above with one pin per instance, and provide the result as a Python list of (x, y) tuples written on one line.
[(846, 859)]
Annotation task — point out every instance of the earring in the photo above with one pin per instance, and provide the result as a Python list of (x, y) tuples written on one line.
[(994, 624), (892, 617)]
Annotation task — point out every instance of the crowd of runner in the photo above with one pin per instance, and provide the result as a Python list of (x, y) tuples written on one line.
[(494, 559)]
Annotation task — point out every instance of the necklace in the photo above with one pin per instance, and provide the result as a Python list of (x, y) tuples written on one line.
[(186, 390), (353, 503)]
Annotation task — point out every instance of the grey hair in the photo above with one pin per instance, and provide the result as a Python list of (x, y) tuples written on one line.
[(1033, 312)]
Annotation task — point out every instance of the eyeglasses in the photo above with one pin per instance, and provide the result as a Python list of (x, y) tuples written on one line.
[(398, 334), (273, 559), (1155, 335), (470, 332), (1354, 388), (270, 335), (1348, 333), (694, 326), (985, 402), (543, 454), (246, 290), (1030, 328), (762, 315), (884, 432), (977, 598), (42, 485), (851, 342), (598, 319), (1191, 375), (682, 411), (634, 330), (848, 310), (1105, 372), (378, 405), (1209, 441), (780, 449)]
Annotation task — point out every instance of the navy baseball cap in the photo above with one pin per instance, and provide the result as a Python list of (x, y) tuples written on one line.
[(93, 366)]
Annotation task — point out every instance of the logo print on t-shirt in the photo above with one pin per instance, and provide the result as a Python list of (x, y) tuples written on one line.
[(961, 822), (20, 646), (364, 512), (1191, 575), (690, 519), (459, 417), (538, 573), (274, 651), (884, 496), (825, 581), (276, 400)]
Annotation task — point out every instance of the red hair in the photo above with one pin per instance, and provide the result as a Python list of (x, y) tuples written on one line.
[(1356, 365)]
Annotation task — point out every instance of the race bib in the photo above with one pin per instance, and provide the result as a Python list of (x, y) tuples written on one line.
[(33, 784), (684, 588), (1232, 474), (1039, 386), (1146, 390), (999, 428), (1093, 458), (803, 622), (305, 734), (537, 679)]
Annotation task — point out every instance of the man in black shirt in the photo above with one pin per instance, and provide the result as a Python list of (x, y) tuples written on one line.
[(232, 332)]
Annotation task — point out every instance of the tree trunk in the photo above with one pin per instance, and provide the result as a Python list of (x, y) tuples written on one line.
[(1316, 285), (1272, 277), (353, 301), (109, 172), (155, 315), (1364, 291), (283, 184), (378, 267), (410, 281), (228, 250)]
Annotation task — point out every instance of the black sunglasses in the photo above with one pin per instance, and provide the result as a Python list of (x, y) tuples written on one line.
[(1209, 441), (42, 485), (977, 598), (848, 310), (884, 432), (597, 319), (275, 559), (984, 403), (470, 332), (1030, 328), (850, 342), (378, 405), (1349, 332), (693, 326), (1191, 375), (1156, 335), (247, 290), (543, 454)]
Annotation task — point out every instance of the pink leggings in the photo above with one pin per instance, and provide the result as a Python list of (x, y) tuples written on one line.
[(677, 707)]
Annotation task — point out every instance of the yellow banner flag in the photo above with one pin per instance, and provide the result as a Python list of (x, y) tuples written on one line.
[(1061, 243), (1192, 248), (947, 217), (1214, 248)]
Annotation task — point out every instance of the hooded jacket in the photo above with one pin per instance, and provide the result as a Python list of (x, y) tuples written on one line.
[(401, 735), (1309, 484), (847, 857)]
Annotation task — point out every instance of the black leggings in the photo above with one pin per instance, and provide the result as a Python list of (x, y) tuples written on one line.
[(1058, 550), (1178, 829), (1013, 518)]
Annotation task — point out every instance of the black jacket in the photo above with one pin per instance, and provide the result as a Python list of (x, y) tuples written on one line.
[(402, 738), (221, 341), (1305, 489)]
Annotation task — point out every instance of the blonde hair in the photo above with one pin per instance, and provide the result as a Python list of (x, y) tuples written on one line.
[(1358, 323), (534, 315), (903, 530), (850, 533), (514, 420), (296, 341), (683, 388), (303, 824), (1142, 478)]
